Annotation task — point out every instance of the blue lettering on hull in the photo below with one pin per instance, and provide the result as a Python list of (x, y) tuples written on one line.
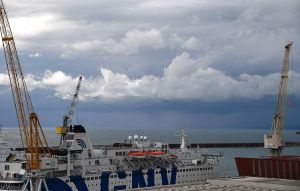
[(173, 175), (56, 184), (79, 183), (138, 180), (121, 175), (164, 176), (150, 178), (104, 184)]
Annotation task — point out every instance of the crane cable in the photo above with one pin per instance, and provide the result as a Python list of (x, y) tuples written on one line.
[(291, 84)]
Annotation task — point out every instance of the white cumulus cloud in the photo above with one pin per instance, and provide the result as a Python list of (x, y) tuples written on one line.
[(184, 78)]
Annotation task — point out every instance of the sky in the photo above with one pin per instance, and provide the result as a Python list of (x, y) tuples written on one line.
[(155, 64)]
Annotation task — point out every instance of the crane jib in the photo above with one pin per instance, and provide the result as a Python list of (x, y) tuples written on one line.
[(31, 133)]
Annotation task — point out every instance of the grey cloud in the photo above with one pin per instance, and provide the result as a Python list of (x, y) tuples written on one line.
[(231, 46), (184, 78)]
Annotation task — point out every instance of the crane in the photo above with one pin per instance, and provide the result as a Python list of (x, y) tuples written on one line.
[(31, 133), (273, 140), (67, 119)]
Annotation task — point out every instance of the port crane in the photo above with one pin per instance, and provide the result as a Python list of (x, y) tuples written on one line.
[(273, 140), (67, 119), (38, 156)]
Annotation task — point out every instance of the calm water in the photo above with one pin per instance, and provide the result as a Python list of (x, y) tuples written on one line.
[(228, 168)]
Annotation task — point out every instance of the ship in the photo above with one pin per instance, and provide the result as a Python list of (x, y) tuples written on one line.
[(136, 163), (275, 164)]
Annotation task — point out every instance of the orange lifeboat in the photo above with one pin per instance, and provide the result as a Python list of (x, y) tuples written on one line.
[(137, 154), (173, 156), (156, 153)]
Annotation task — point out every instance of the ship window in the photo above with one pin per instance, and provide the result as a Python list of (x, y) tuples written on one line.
[(6, 167), (92, 178), (70, 137), (96, 178), (88, 178)]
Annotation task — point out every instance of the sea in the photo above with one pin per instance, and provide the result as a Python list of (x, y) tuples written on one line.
[(104, 136)]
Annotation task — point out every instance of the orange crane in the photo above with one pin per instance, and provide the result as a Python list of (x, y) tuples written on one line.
[(31, 133), (273, 141)]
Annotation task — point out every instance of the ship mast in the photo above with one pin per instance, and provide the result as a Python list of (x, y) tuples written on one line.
[(273, 141)]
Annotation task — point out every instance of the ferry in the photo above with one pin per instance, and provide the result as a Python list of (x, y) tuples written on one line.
[(135, 163)]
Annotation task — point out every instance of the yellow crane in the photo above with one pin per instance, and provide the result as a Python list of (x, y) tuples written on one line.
[(31, 133)]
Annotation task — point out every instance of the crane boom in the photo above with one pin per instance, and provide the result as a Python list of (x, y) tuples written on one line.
[(273, 141), (68, 117), (31, 133)]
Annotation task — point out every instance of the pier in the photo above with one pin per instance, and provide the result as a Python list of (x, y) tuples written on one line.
[(230, 145)]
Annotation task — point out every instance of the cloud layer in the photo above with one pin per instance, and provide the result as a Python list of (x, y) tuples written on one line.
[(183, 53), (183, 79)]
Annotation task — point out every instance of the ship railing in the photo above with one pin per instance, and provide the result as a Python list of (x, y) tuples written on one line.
[(59, 173), (11, 179), (75, 172), (110, 147), (9, 186)]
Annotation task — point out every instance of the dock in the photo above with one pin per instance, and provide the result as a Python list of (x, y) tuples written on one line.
[(234, 184)]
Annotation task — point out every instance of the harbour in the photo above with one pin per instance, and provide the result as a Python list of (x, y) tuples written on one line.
[(206, 149)]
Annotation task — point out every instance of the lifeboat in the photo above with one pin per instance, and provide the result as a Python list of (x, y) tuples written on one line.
[(173, 156), (137, 154), (156, 153)]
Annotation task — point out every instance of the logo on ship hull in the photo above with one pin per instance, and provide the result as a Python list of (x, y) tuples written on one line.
[(81, 143)]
